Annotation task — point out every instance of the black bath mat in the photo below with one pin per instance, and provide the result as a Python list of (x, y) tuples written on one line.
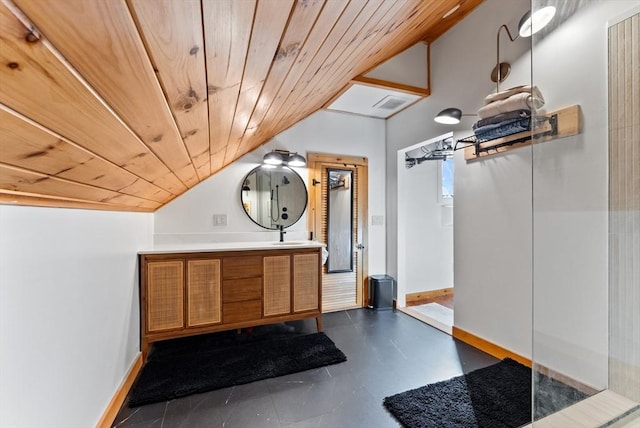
[(200, 363), (498, 396)]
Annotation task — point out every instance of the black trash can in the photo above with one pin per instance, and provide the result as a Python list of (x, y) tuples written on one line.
[(382, 292)]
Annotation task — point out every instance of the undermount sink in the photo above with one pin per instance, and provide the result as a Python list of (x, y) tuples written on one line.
[(290, 243)]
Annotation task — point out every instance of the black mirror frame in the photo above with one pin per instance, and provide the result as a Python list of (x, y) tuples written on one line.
[(304, 186)]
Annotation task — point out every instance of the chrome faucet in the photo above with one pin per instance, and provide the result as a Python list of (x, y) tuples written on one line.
[(282, 232)]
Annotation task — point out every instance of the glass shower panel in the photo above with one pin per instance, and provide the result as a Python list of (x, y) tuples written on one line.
[(586, 221)]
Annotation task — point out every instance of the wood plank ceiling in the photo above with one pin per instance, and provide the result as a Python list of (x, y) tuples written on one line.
[(126, 104)]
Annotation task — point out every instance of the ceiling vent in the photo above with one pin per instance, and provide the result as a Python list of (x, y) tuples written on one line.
[(390, 102)]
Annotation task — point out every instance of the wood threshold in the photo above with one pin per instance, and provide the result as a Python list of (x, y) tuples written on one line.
[(595, 411), (116, 402), (488, 347)]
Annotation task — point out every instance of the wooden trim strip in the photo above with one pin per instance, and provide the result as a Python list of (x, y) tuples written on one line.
[(385, 84), (116, 402), (488, 347), (428, 66), (336, 159), (8, 197), (431, 294)]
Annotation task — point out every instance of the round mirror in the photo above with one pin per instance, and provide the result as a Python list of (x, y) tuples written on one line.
[(273, 197)]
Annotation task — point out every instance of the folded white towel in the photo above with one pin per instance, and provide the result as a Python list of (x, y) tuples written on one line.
[(518, 101), (497, 96)]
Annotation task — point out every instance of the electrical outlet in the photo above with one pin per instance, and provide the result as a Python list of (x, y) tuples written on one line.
[(219, 220)]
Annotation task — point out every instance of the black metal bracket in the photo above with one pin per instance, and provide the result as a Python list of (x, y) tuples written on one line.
[(473, 141)]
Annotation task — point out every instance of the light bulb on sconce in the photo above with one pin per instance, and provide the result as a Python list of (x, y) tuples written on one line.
[(283, 157), (296, 160), (450, 116), (529, 24), (273, 158)]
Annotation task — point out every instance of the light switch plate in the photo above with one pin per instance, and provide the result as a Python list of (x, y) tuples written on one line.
[(377, 220), (219, 220)]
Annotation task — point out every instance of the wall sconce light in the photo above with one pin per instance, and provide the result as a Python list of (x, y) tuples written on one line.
[(450, 116), (529, 24), (284, 157)]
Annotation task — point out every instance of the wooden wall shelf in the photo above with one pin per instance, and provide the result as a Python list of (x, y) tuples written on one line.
[(563, 123)]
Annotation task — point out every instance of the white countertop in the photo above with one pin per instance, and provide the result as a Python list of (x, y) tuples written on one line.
[(230, 246)]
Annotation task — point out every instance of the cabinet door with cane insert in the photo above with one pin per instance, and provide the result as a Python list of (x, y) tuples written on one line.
[(164, 295), (277, 285), (204, 292), (306, 283)]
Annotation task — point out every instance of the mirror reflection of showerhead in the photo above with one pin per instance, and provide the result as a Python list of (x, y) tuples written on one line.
[(285, 180), (275, 205)]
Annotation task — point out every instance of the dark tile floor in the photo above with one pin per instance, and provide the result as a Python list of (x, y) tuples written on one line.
[(387, 353)]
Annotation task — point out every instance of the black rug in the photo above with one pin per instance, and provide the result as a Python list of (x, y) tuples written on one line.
[(498, 396), (197, 364)]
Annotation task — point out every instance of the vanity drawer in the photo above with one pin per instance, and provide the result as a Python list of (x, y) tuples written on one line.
[(250, 310), (237, 290), (241, 266)]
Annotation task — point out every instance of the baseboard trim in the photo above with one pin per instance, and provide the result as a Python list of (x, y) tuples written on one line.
[(501, 353), (112, 409), (488, 347), (424, 295)]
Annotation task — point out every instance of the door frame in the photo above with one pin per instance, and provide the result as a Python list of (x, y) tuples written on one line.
[(316, 163)]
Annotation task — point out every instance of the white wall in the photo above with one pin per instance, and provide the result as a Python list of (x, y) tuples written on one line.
[(570, 184), (69, 318), (408, 67), (425, 230), (499, 199), (69, 281), (461, 61), (492, 212), (189, 217)]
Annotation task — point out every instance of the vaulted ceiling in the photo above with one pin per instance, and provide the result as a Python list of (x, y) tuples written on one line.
[(125, 104)]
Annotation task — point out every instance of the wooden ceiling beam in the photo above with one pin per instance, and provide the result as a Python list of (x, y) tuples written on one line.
[(173, 35), (227, 31), (22, 180), (129, 103), (333, 79), (291, 90), (8, 197), (268, 26), (110, 55), (298, 29), (41, 86), (334, 19), (28, 145), (337, 75)]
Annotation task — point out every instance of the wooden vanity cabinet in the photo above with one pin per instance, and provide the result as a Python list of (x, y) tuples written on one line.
[(183, 294)]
